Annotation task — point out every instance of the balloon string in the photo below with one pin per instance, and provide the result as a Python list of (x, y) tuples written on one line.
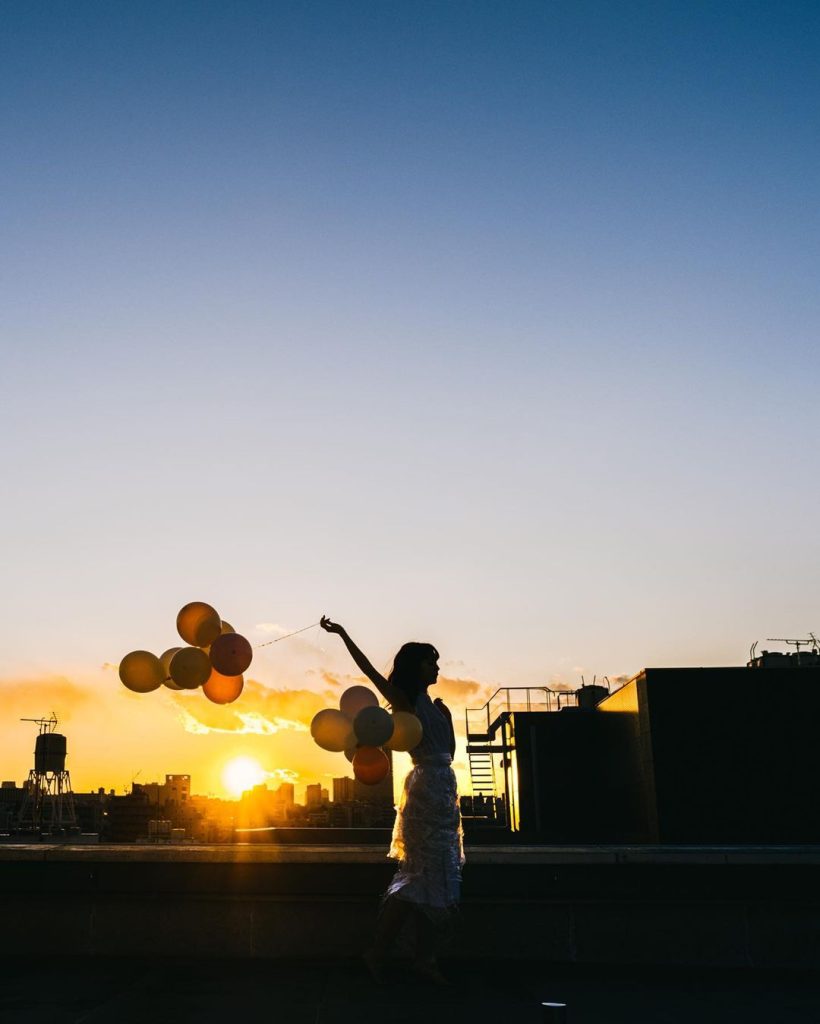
[(267, 643)]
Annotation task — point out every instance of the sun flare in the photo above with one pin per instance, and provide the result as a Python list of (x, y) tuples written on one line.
[(241, 774)]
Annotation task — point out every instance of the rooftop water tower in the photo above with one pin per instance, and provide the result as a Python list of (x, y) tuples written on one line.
[(48, 804)]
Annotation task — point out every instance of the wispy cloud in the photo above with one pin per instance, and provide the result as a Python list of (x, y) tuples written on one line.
[(616, 682), (260, 711), (31, 698), (462, 690), (283, 775), (272, 628), (237, 723)]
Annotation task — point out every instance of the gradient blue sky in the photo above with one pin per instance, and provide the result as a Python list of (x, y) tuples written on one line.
[(489, 324)]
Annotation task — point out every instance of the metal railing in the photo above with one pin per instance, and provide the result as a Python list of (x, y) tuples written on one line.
[(483, 722)]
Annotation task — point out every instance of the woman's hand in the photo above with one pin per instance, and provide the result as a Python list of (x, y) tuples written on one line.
[(330, 627)]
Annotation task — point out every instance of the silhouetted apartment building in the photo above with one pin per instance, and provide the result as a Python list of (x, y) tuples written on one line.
[(11, 800), (343, 791), (127, 817), (177, 788), (677, 755), (315, 796), (286, 794)]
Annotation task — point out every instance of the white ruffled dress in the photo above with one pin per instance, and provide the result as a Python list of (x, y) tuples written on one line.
[(427, 835)]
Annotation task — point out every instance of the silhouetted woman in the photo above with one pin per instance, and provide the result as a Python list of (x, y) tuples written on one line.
[(427, 840)]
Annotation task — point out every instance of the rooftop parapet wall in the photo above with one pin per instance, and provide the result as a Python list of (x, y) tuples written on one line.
[(719, 906)]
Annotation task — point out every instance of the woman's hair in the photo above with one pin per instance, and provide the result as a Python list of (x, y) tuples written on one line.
[(406, 671)]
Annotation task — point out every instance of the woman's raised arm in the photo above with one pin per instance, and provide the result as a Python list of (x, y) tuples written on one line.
[(392, 694)]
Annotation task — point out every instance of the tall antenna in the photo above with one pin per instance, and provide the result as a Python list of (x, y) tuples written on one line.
[(811, 642), (47, 725)]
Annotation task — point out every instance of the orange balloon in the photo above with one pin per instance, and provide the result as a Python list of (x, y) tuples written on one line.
[(223, 689), (231, 654), (198, 624), (141, 672), (370, 765)]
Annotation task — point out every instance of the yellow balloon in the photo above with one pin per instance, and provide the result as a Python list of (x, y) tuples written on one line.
[(407, 731), (141, 671), (190, 668), (165, 661), (198, 624), (332, 730)]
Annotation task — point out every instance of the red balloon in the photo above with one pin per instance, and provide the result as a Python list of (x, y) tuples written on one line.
[(231, 654), (370, 765)]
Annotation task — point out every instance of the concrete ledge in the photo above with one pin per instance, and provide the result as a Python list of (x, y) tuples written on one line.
[(353, 853), (705, 907)]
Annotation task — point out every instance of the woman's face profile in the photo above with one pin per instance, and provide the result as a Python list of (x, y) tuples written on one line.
[(429, 671)]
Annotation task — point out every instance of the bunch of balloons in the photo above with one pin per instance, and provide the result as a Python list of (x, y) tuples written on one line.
[(362, 730), (215, 658)]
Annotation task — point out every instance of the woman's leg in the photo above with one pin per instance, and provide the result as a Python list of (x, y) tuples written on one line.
[(394, 913), (392, 917), (425, 962), (425, 939)]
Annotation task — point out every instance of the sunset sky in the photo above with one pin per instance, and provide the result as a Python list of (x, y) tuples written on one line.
[(493, 325)]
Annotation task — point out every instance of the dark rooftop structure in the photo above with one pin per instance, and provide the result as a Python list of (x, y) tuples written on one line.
[(677, 755)]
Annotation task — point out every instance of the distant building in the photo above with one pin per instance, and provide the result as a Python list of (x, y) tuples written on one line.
[(340, 815), (313, 795), (286, 793), (128, 816), (11, 799), (343, 791), (91, 810), (177, 788)]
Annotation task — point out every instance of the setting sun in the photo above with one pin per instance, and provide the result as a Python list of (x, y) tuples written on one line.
[(241, 774)]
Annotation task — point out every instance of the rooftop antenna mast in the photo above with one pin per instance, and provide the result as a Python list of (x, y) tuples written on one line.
[(797, 644), (47, 725)]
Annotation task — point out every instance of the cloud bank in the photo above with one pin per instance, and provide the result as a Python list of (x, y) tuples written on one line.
[(260, 711)]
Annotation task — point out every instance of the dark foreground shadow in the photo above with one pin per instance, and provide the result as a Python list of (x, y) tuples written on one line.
[(87, 990)]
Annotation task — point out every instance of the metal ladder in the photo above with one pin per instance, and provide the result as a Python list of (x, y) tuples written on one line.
[(482, 773), (482, 725)]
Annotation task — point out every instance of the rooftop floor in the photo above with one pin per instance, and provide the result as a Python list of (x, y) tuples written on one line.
[(178, 991)]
